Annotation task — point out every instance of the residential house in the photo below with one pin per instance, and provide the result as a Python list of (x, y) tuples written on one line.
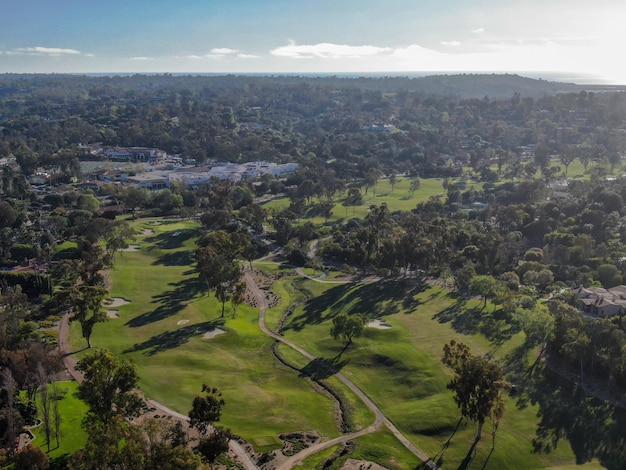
[(602, 302)]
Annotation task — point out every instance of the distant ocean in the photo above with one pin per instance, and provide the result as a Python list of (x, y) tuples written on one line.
[(563, 77)]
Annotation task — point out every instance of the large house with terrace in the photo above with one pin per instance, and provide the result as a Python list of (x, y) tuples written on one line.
[(602, 302)]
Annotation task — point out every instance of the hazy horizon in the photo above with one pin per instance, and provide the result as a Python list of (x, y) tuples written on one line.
[(560, 77), (530, 38)]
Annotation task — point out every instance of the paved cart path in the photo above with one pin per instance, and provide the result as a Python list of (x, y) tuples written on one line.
[(380, 418)]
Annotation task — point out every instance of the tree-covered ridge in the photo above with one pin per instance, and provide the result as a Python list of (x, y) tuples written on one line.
[(465, 85)]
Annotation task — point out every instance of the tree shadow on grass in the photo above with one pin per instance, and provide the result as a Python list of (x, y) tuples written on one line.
[(439, 457), (174, 338), (488, 457), (176, 258), (60, 462), (592, 427), (372, 300), (463, 320), (321, 368), (496, 326), (170, 240), (316, 308), (170, 302), (465, 464), (515, 365), (393, 292)]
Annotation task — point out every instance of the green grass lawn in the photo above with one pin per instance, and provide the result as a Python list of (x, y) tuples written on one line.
[(400, 198), (397, 199), (72, 435), (384, 448), (401, 369), (318, 460), (162, 330), (67, 249)]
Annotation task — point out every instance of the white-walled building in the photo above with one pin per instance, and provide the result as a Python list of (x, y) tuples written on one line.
[(139, 154)]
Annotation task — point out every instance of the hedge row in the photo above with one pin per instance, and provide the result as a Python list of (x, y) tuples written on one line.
[(33, 284)]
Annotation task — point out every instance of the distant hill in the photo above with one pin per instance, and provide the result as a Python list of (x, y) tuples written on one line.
[(492, 85), (467, 85)]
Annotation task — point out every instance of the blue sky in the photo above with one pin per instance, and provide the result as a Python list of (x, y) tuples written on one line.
[(338, 36)]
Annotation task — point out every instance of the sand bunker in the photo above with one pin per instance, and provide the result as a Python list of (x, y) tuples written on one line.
[(213, 333), (116, 302), (378, 324), (112, 314), (182, 322), (146, 231), (131, 248)]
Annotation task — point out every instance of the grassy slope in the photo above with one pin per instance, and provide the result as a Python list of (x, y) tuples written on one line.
[(263, 398), (400, 368)]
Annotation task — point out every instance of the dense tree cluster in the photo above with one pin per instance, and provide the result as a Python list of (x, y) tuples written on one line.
[(114, 441), (325, 123)]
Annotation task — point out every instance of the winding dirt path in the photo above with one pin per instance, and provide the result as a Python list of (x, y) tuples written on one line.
[(380, 418)]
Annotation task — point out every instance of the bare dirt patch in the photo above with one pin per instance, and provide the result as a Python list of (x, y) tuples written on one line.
[(264, 280), (131, 248), (213, 333), (353, 464), (379, 325)]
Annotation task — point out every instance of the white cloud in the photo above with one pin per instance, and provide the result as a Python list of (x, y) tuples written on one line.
[(416, 57), (248, 56), (223, 51), (43, 51), (451, 43), (478, 30), (227, 53), (327, 50), (220, 53), (142, 58)]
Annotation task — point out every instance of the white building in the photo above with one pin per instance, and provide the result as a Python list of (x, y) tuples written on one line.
[(141, 154)]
